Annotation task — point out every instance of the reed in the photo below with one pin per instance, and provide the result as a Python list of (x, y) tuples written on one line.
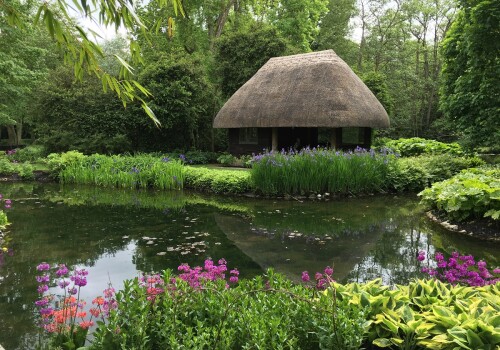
[(320, 170), (139, 171)]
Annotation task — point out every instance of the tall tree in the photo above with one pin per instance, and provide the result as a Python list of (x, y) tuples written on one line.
[(471, 85), (335, 29), (25, 59), (296, 20), (240, 54), (78, 48)]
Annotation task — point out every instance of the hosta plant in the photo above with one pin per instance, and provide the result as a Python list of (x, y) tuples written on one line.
[(469, 194)]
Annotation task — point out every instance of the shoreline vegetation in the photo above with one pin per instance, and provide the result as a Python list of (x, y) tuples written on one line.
[(452, 183), (210, 307)]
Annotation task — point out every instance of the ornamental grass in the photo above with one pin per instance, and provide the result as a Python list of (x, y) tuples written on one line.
[(320, 170), (139, 171)]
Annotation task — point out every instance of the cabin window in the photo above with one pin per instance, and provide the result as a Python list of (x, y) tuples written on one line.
[(353, 136), (248, 136)]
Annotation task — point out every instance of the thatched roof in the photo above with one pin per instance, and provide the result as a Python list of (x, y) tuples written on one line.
[(308, 90)]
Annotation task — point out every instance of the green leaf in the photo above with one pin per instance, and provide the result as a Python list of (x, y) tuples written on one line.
[(382, 342)]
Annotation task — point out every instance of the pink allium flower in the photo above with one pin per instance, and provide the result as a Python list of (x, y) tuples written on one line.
[(305, 276)]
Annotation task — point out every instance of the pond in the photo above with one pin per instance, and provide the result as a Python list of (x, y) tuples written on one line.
[(117, 234)]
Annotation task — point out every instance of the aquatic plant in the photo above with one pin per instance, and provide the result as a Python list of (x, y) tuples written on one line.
[(320, 170), (139, 171), (460, 269)]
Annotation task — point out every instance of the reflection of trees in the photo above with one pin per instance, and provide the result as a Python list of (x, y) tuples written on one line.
[(216, 245), (394, 256)]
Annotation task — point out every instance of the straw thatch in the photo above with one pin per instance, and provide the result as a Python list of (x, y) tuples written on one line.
[(308, 90)]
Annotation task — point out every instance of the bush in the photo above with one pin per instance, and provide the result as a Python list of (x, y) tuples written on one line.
[(472, 193), (427, 314), (30, 153), (416, 173), (267, 312), (25, 171), (59, 161), (217, 180), (226, 159), (6, 167), (415, 146)]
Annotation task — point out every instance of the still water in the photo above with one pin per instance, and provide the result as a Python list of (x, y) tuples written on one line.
[(118, 234)]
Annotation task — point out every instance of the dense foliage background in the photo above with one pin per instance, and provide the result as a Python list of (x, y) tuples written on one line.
[(433, 65)]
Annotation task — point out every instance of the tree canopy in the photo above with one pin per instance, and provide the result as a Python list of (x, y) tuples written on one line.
[(79, 49), (470, 87)]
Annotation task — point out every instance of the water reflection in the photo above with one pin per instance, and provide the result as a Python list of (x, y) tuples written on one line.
[(118, 234)]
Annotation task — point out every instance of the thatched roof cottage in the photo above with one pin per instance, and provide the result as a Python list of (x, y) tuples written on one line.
[(290, 97)]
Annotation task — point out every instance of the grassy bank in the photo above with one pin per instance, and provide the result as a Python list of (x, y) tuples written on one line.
[(307, 172)]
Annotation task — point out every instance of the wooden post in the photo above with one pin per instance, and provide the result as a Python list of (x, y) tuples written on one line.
[(274, 140), (333, 138)]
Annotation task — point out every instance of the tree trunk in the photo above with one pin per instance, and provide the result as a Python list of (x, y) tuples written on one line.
[(11, 130)]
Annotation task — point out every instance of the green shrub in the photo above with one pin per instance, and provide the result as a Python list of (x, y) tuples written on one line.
[(25, 171), (417, 173), (472, 193), (194, 157), (226, 159), (427, 314), (59, 161), (6, 167), (217, 180), (271, 312), (267, 312), (415, 146), (30, 153)]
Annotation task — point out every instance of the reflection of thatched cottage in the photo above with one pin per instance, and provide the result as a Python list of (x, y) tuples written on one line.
[(290, 97)]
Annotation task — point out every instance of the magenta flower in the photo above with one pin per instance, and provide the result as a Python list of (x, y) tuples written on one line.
[(63, 283), (42, 302), (421, 256), (305, 276), (43, 267), (328, 271), (62, 271), (43, 288), (43, 279), (233, 279)]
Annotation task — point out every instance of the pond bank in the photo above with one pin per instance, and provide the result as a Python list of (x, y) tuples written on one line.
[(482, 228), (237, 183)]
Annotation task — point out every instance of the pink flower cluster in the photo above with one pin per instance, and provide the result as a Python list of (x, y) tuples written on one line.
[(321, 279), (59, 313), (210, 272), (461, 269), (194, 276)]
